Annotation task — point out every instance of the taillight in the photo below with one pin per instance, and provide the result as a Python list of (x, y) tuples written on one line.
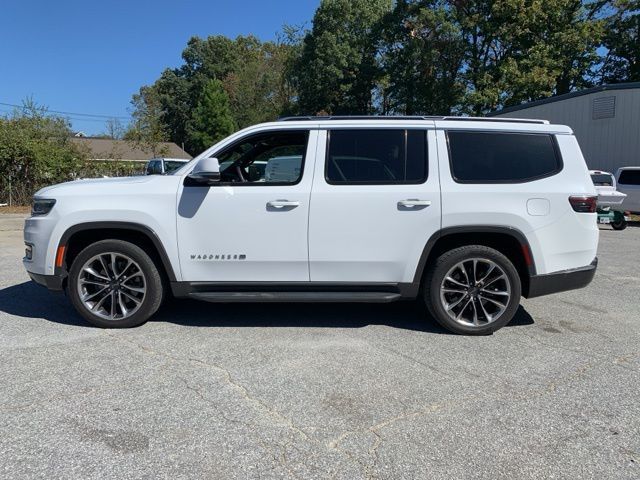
[(583, 204)]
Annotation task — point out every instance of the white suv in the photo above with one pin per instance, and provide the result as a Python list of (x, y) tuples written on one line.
[(468, 214)]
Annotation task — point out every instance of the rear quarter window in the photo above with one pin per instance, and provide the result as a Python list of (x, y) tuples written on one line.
[(502, 157)]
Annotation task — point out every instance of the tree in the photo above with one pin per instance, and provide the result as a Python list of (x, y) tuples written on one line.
[(211, 120), (576, 31), (253, 74), (421, 54), (622, 61), (114, 129), (520, 51), (147, 131), (255, 85), (337, 70)]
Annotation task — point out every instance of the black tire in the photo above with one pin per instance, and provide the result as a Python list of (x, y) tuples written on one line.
[(435, 276), (621, 225), (153, 295)]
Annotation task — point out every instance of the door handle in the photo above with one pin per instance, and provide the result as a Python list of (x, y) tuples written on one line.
[(413, 202), (282, 204)]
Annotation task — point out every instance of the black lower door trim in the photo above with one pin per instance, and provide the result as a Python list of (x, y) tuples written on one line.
[(296, 297), (188, 289)]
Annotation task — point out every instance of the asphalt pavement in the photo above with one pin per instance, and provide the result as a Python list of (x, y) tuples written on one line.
[(322, 391)]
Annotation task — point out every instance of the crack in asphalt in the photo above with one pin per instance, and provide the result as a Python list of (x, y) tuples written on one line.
[(227, 378), (378, 438), (258, 404)]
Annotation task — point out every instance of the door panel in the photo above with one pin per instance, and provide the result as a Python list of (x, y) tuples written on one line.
[(370, 233), (247, 233)]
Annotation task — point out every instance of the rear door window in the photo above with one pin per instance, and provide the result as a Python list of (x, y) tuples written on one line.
[(629, 177), (376, 156), (502, 157)]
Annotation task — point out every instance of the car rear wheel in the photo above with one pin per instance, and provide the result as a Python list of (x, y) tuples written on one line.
[(472, 290), (115, 284), (619, 225)]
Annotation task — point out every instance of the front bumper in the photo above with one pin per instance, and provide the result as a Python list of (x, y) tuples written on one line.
[(52, 282), (562, 281)]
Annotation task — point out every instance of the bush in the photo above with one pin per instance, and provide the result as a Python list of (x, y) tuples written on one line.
[(93, 169), (36, 151)]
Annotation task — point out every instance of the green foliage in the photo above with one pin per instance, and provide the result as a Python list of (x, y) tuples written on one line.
[(337, 70), (253, 75), (518, 51), (211, 119), (622, 39), (148, 129), (421, 53), (35, 151), (96, 169)]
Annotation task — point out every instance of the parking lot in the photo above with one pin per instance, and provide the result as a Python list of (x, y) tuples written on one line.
[(322, 391)]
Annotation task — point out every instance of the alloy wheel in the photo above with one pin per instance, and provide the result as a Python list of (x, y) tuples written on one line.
[(475, 292), (112, 286)]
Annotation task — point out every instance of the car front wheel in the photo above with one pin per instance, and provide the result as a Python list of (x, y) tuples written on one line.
[(472, 290), (115, 284)]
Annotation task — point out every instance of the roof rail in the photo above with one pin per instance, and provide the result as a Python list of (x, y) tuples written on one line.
[(359, 117), (411, 117), (494, 119)]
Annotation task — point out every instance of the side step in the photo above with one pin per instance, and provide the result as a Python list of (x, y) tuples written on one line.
[(301, 297)]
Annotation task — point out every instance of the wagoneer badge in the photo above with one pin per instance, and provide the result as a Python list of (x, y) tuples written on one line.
[(219, 257)]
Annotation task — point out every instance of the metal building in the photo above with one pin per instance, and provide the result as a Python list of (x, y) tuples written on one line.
[(605, 119)]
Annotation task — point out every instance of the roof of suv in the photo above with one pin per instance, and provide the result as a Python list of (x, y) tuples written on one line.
[(409, 117)]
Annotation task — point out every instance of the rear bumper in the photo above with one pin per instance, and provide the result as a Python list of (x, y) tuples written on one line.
[(52, 282), (562, 281)]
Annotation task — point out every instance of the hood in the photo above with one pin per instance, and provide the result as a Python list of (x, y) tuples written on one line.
[(93, 183)]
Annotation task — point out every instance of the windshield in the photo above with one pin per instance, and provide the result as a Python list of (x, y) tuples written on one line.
[(602, 180)]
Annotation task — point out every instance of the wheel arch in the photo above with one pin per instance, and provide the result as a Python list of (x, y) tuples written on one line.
[(79, 236), (509, 241)]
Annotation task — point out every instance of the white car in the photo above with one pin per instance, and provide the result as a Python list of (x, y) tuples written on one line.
[(608, 196), (468, 214), (628, 179)]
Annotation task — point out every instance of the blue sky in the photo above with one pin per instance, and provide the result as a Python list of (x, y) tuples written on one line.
[(90, 57)]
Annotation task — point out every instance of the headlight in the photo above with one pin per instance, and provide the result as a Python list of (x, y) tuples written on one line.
[(41, 206)]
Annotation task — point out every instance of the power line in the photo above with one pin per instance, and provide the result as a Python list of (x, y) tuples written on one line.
[(83, 119), (75, 114)]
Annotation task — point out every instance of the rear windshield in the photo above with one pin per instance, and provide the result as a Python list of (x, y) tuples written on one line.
[(502, 157), (602, 180), (170, 167)]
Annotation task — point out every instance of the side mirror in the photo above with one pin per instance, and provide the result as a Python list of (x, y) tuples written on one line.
[(206, 171)]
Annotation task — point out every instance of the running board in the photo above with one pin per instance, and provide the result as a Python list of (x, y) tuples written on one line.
[(302, 297)]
